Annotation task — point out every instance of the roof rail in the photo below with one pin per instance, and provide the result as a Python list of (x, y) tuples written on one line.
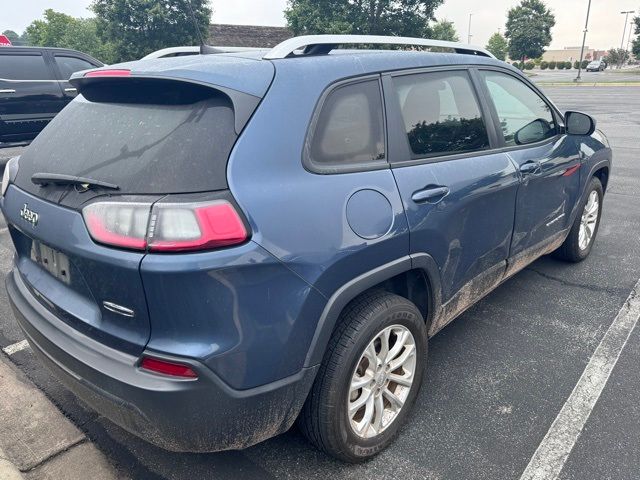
[(323, 44)]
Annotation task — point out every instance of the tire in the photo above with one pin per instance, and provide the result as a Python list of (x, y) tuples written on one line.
[(325, 419), (572, 250)]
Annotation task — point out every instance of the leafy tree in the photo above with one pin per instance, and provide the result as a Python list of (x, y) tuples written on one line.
[(498, 45), (64, 31), (372, 17), (529, 29), (15, 38), (443, 30), (616, 56), (138, 27)]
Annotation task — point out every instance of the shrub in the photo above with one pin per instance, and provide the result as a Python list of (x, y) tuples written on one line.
[(576, 64), (567, 65), (552, 65), (560, 65), (529, 65), (544, 65), (585, 63)]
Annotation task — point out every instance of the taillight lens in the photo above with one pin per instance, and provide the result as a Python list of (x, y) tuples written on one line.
[(177, 227), (10, 172), (168, 227), (122, 224), (165, 367)]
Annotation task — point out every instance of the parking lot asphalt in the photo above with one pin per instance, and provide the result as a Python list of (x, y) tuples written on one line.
[(497, 377), (567, 76)]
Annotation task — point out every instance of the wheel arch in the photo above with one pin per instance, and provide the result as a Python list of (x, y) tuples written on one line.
[(415, 277)]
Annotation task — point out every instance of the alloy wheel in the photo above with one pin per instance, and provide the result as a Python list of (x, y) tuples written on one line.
[(589, 220), (381, 381)]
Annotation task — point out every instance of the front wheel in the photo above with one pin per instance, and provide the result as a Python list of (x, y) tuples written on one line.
[(369, 378), (583, 233)]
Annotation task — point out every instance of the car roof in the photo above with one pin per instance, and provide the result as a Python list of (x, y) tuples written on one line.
[(249, 72)]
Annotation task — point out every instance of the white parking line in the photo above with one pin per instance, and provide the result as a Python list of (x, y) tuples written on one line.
[(16, 347), (552, 453)]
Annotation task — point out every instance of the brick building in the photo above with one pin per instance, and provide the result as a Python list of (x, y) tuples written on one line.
[(247, 35)]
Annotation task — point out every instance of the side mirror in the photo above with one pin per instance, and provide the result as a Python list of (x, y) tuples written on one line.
[(578, 123), (532, 132)]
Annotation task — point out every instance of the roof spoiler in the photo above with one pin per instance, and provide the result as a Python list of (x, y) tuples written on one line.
[(244, 104)]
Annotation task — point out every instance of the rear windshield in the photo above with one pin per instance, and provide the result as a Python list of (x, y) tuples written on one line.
[(148, 138)]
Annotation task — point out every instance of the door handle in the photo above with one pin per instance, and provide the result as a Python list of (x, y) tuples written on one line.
[(430, 194), (70, 90), (7, 90), (530, 168)]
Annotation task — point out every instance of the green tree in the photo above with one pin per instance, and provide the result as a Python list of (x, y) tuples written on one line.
[(14, 38), (138, 27), (529, 29), (371, 17), (616, 56), (443, 30), (64, 31), (498, 45)]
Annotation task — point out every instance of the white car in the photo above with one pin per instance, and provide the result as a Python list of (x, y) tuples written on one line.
[(191, 50)]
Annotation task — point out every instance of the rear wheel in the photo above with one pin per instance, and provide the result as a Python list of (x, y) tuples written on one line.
[(583, 233), (369, 378)]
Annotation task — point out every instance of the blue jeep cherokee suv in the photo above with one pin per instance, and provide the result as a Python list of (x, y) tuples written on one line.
[(211, 247)]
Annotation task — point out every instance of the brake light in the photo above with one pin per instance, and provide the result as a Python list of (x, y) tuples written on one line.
[(109, 73), (177, 227), (168, 227), (164, 367)]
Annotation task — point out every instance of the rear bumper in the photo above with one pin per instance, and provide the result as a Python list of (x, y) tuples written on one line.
[(202, 415)]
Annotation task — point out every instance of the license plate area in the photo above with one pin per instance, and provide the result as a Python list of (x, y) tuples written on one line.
[(53, 261)]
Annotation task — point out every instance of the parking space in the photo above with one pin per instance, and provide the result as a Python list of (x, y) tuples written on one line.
[(498, 376)]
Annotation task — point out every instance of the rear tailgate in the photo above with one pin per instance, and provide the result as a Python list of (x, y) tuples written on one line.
[(73, 276), (151, 137)]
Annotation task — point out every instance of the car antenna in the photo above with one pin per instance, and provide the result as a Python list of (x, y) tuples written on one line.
[(204, 48)]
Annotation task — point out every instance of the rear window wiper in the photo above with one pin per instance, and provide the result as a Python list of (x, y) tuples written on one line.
[(43, 179)]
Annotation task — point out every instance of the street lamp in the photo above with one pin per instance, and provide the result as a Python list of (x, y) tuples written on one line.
[(469, 31), (624, 32), (584, 38)]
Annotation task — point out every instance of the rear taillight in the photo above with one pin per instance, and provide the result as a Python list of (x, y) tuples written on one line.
[(167, 227), (164, 367)]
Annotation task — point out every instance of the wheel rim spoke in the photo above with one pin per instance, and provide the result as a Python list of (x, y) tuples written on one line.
[(381, 381), (589, 220)]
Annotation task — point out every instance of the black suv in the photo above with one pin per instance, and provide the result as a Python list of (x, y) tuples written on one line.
[(34, 87)]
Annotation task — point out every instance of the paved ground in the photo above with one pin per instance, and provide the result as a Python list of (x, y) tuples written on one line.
[(567, 76), (498, 376)]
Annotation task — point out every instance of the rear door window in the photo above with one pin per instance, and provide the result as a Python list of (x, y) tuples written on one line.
[(70, 65), (441, 114), (145, 137), (350, 127), (24, 67)]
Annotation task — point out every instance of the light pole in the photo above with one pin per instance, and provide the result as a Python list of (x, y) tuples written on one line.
[(624, 32), (584, 39), (469, 31), (631, 24)]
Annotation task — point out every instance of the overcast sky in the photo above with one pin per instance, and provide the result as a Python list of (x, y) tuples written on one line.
[(605, 24)]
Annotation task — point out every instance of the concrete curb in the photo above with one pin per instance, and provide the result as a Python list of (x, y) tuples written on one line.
[(38, 440)]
